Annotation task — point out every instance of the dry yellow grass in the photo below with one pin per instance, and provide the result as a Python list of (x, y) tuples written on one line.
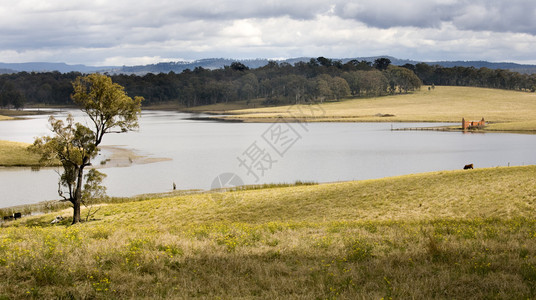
[(442, 104), (521, 126), (17, 154), (4, 118), (455, 235), (504, 192)]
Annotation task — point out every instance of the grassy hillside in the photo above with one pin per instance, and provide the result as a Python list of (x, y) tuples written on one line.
[(442, 104), (456, 234)]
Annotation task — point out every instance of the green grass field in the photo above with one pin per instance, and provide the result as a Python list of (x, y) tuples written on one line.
[(508, 110), (15, 154), (449, 235)]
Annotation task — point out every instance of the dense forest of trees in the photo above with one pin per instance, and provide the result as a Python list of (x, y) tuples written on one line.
[(318, 80)]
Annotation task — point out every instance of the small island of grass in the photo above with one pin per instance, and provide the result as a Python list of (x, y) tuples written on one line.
[(2, 118), (16, 154)]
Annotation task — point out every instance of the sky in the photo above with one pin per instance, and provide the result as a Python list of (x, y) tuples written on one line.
[(126, 32)]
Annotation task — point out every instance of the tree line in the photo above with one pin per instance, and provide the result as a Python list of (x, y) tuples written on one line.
[(318, 80), (470, 76)]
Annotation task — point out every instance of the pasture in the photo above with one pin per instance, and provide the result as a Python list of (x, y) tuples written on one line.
[(456, 234)]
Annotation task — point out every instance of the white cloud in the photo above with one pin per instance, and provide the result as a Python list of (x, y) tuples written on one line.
[(132, 61), (242, 33)]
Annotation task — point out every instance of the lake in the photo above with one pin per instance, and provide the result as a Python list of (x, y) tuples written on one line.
[(205, 154)]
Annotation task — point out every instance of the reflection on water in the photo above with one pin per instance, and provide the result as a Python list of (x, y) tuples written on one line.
[(321, 152)]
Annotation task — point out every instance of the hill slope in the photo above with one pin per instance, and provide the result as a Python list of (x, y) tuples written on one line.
[(442, 104), (456, 234), (481, 193)]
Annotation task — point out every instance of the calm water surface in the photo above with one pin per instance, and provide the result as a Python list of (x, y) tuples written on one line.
[(264, 153)]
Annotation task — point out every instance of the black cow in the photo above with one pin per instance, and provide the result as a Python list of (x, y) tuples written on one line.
[(467, 167), (15, 216)]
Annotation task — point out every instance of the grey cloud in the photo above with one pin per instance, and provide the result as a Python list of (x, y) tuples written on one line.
[(102, 24), (476, 15), (233, 9), (492, 15), (499, 16), (387, 13)]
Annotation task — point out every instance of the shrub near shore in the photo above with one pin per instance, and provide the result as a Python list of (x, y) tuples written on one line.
[(457, 234)]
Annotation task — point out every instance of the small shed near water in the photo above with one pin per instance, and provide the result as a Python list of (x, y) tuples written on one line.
[(473, 124)]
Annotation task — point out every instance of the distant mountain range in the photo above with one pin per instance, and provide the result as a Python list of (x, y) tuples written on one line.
[(216, 63), (48, 67)]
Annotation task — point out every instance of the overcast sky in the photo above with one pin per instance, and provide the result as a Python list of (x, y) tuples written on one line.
[(125, 32)]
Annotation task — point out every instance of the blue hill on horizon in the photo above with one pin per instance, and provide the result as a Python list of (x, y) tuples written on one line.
[(216, 63)]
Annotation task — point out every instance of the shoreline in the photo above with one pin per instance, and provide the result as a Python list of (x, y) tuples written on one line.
[(281, 119), (230, 116)]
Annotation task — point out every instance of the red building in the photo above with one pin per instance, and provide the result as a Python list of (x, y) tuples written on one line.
[(473, 124)]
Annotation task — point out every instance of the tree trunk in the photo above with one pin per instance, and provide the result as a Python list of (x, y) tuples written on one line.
[(76, 211), (78, 196)]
